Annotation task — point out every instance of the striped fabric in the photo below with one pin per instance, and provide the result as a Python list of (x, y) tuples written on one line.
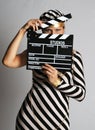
[(50, 14), (52, 17), (46, 107)]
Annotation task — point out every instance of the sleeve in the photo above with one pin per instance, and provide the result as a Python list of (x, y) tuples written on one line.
[(73, 83)]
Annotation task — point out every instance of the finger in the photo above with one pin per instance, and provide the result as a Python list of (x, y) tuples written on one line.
[(34, 28), (46, 67), (51, 67), (34, 23), (48, 73), (38, 24)]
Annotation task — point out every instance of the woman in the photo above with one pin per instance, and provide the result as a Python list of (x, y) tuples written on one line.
[(46, 106)]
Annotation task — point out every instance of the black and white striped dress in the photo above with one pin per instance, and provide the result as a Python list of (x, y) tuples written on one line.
[(46, 107)]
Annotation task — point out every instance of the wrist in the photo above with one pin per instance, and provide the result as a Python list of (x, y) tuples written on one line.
[(25, 27), (22, 30), (57, 82)]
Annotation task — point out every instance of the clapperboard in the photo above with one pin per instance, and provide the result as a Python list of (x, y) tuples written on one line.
[(55, 49)]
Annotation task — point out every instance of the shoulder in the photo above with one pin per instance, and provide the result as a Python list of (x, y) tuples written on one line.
[(77, 54), (77, 57)]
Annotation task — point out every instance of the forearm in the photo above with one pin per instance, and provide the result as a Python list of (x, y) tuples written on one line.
[(74, 90), (73, 84), (13, 47)]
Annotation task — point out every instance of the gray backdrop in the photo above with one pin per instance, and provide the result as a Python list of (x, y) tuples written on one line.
[(15, 83)]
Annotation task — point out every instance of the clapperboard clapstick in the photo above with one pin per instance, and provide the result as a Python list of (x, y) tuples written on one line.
[(53, 22), (55, 49), (56, 21)]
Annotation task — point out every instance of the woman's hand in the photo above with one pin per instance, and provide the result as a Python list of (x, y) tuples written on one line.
[(52, 74), (32, 23)]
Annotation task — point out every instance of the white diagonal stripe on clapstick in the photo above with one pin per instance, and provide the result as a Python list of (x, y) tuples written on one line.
[(53, 36), (53, 22), (43, 35), (64, 36), (43, 25)]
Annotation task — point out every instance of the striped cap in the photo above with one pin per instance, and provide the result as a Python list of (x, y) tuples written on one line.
[(50, 15)]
